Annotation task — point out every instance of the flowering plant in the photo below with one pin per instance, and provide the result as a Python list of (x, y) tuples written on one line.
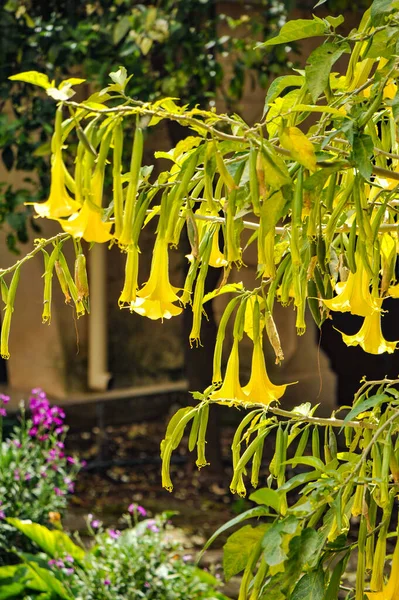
[(143, 561), (36, 476)]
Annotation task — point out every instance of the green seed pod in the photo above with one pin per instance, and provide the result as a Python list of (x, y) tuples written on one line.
[(80, 308), (4, 290), (49, 262), (201, 441), (6, 323), (316, 442), (62, 281), (81, 280)]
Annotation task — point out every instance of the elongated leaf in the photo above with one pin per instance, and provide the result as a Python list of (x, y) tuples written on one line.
[(273, 540), (225, 289), (319, 66), (298, 29), (53, 584), (33, 77), (54, 543), (365, 405), (238, 548), (310, 587), (267, 497), (310, 461), (252, 513), (301, 148)]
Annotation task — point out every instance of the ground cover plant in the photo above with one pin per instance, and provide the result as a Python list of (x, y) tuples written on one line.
[(142, 561), (36, 475), (316, 180)]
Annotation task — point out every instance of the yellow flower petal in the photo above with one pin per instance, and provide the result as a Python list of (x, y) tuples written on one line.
[(87, 224), (59, 203), (155, 299), (259, 388), (231, 388), (370, 337), (354, 295)]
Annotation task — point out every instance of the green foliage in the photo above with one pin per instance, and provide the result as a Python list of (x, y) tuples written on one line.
[(143, 561), (321, 196), (35, 475), (172, 47)]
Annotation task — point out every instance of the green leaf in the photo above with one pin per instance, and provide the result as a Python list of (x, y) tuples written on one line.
[(297, 29), (298, 480), (53, 584), (335, 581), (361, 154), (381, 9), (238, 548), (310, 586), (54, 543), (252, 513), (121, 29), (320, 62), (365, 405), (225, 289), (279, 85), (267, 497), (310, 461), (274, 552), (335, 21), (33, 77)]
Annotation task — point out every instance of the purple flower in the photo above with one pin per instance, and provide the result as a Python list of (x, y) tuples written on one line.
[(3, 412), (4, 399), (152, 527), (2, 515), (96, 523), (83, 463), (68, 558), (69, 571), (17, 476), (51, 562), (33, 431), (114, 533), (107, 582), (59, 563), (71, 460), (137, 508), (147, 585), (28, 477), (58, 492), (186, 557), (61, 445), (17, 443)]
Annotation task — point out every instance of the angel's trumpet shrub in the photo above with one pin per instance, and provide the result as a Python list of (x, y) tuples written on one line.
[(259, 388), (390, 591), (353, 295), (370, 337), (129, 293), (155, 300), (231, 388)]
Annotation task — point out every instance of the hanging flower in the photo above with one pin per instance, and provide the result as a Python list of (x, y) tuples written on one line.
[(370, 337), (129, 292), (354, 295), (231, 388), (88, 223), (259, 388), (155, 300), (59, 203), (391, 590), (216, 258)]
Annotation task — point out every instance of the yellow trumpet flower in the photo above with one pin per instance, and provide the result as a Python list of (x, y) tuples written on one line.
[(370, 337), (59, 203), (391, 590), (231, 388), (216, 258), (88, 223), (155, 300), (354, 295), (259, 388)]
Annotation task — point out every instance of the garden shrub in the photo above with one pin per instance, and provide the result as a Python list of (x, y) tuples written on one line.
[(36, 475)]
